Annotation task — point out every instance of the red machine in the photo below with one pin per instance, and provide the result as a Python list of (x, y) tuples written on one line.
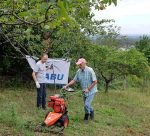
[(56, 120), (59, 114)]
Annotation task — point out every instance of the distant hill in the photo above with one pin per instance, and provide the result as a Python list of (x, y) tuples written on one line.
[(129, 40), (125, 41), (134, 36)]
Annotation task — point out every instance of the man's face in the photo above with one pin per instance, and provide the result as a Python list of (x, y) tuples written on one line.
[(82, 65), (44, 59)]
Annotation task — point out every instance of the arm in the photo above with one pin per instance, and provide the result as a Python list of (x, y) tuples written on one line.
[(35, 80), (92, 85), (34, 76), (72, 82), (94, 81)]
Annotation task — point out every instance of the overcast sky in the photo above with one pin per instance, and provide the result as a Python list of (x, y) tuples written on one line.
[(132, 15)]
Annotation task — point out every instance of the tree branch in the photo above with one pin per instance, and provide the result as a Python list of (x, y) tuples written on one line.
[(46, 13), (27, 22), (22, 20), (12, 24), (109, 78)]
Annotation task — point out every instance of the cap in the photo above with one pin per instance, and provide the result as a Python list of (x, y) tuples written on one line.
[(82, 60)]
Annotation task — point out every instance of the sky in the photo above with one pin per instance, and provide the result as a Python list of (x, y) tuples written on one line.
[(133, 16)]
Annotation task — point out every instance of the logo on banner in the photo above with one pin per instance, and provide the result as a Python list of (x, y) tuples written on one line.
[(53, 76)]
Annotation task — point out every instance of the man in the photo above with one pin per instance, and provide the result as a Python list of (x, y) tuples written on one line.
[(38, 75), (87, 78)]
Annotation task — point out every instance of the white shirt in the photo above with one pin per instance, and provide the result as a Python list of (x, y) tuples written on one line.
[(40, 70)]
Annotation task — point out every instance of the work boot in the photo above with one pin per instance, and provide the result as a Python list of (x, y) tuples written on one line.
[(44, 108), (92, 115), (86, 118)]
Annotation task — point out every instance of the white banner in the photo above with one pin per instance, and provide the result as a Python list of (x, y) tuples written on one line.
[(57, 70), (31, 61)]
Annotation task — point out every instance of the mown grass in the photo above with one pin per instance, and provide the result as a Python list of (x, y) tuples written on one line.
[(118, 113)]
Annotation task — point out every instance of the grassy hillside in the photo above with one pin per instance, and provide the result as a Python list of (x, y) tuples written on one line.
[(118, 113)]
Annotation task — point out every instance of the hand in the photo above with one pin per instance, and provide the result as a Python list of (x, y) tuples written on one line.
[(86, 90), (37, 84), (48, 67), (65, 87)]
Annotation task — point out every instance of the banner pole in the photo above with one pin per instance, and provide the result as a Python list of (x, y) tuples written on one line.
[(54, 78)]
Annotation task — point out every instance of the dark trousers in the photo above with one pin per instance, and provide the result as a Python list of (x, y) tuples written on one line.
[(41, 96)]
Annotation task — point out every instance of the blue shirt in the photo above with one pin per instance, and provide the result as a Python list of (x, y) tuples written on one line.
[(86, 78)]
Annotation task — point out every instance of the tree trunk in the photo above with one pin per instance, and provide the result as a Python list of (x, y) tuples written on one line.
[(106, 86), (125, 83), (107, 81), (144, 86)]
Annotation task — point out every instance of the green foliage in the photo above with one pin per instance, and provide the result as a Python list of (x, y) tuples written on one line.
[(109, 60), (127, 62), (135, 81), (28, 20), (56, 27), (110, 37), (143, 45), (112, 63), (13, 82), (62, 28)]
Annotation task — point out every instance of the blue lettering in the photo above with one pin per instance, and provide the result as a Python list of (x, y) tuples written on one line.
[(60, 78), (47, 76), (53, 76)]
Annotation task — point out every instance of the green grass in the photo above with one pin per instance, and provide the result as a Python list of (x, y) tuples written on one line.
[(118, 113)]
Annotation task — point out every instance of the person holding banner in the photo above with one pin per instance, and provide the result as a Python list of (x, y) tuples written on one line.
[(87, 78), (38, 75)]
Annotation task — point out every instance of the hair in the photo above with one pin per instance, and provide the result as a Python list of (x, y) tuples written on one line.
[(44, 54)]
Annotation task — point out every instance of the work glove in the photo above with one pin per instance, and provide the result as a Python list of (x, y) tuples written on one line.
[(37, 84)]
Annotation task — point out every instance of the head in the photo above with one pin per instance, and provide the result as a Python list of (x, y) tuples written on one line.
[(81, 63), (44, 58)]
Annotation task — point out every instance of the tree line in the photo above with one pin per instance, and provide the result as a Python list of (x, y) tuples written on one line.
[(62, 28)]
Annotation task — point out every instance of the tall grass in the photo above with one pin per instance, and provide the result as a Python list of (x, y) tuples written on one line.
[(118, 113)]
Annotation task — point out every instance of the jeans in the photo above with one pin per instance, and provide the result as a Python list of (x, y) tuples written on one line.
[(41, 96), (87, 103)]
